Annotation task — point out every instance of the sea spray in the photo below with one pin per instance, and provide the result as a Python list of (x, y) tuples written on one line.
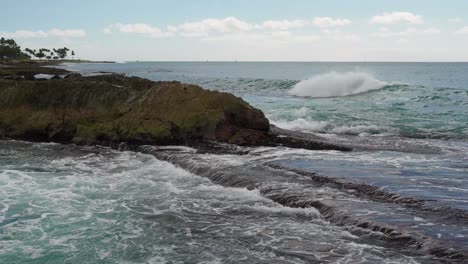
[(337, 84)]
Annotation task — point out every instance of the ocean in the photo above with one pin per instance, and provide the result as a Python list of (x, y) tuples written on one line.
[(401, 195)]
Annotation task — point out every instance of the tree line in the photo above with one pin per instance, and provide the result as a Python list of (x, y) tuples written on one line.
[(10, 50)]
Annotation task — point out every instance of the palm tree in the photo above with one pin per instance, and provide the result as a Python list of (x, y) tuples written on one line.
[(31, 52), (41, 54), (62, 53)]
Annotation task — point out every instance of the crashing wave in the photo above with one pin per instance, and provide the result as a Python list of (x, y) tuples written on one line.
[(308, 125), (337, 84)]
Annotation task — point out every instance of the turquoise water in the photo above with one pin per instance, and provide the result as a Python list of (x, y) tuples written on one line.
[(407, 123), (64, 204), (420, 100)]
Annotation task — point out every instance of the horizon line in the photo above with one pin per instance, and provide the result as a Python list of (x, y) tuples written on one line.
[(262, 61)]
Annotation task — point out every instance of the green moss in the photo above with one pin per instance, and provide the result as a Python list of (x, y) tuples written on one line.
[(116, 108)]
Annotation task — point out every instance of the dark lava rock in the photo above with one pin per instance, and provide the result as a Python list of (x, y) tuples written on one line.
[(27, 75), (55, 77), (72, 75)]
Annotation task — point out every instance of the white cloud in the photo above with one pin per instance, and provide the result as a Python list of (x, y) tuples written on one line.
[(74, 33), (402, 40), (233, 31), (213, 27), (138, 28), (462, 31), (330, 22), (274, 38), (282, 24), (68, 33), (397, 18), (339, 35), (253, 37), (431, 30), (210, 26), (387, 33)]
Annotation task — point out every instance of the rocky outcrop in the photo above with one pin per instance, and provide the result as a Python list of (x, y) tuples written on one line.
[(72, 75), (111, 109), (28, 70), (114, 108)]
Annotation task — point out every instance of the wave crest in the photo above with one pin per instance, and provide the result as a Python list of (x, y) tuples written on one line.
[(337, 84), (308, 125)]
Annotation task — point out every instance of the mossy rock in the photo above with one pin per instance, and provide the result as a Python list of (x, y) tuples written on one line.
[(115, 108)]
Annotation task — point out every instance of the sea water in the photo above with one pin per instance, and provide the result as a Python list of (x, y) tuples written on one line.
[(407, 123)]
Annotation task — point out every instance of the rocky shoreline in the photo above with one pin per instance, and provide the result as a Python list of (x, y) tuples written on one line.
[(131, 113), (29, 70), (273, 181), (116, 110)]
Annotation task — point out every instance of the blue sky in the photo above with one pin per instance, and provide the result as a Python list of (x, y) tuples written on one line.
[(255, 30)]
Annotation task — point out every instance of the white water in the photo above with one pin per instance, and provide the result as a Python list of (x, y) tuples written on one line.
[(61, 204), (309, 125), (301, 119), (337, 84)]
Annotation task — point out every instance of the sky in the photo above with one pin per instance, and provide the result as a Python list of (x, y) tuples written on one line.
[(253, 30)]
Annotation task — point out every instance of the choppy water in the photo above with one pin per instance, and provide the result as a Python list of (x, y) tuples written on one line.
[(63, 204), (406, 121), (418, 100)]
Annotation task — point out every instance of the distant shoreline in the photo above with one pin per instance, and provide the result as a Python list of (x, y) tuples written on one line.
[(84, 61), (58, 62), (48, 62), (253, 61)]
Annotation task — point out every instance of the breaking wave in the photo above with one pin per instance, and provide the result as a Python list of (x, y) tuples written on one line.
[(309, 125), (337, 84)]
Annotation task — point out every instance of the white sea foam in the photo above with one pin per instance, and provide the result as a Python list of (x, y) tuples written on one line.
[(337, 84), (310, 211), (302, 124), (308, 125), (43, 76), (301, 112), (108, 204)]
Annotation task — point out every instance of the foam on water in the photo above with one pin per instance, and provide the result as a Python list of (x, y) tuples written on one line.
[(61, 204), (406, 111), (337, 84), (43, 76), (297, 191), (308, 125), (408, 139), (437, 177)]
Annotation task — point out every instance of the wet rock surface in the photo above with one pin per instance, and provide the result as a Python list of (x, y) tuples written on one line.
[(110, 109), (115, 108), (388, 219)]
